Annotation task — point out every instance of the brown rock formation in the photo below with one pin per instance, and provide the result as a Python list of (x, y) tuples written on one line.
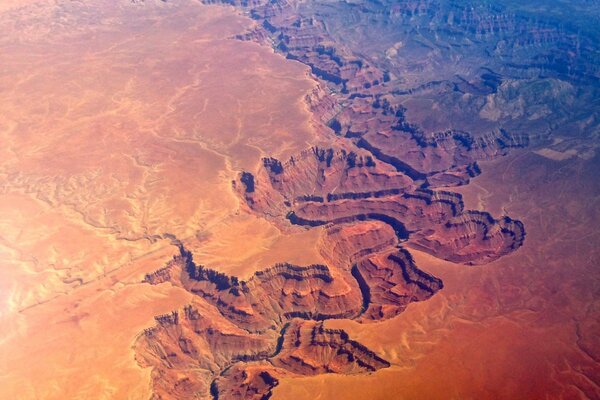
[(407, 148), (473, 238), (345, 244), (390, 281), (324, 186), (277, 294), (305, 348), (313, 175), (217, 345), (187, 348), (371, 187), (309, 349), (253, 381)]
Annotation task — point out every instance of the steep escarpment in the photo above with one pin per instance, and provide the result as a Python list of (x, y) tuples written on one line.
[(274, 295), (187, 348), (237, 338), (344, 192), (315, 174), (270, 325), (308, 348), (343, 245), (370, 109), (390, 281), (378, 185)]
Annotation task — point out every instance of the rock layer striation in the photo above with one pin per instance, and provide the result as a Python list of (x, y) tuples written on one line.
[(379, 187)]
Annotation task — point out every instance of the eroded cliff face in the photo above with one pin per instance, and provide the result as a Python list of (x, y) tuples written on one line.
[(333, 186), (390, 281), (238, 337), (241, 336), (188, 347), (380, 187), (368, 103)]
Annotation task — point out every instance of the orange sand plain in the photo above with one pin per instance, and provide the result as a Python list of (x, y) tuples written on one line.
[(122, 125), (524, 327)]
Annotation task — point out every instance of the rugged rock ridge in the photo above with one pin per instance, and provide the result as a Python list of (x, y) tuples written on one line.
[(253, 381), (431, 220), (474, 238), (373, 188), (322, 104), (390, 281), (219, 345), (326, 169), (314, 175), (279, 293), (308, 348), (370, 109), (445, 152), (187, 348)]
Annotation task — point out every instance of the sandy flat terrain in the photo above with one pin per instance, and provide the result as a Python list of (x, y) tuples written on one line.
[(122, 125)]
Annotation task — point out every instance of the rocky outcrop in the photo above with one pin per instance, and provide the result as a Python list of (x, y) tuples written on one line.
[(390, 282), (187, 348), (322, 104), (237, 338), (376, 186), (327, 186), (320, 171), (275, 295), (248, 382), (342, 245), (457, 176), (473, 238), (313, 175), (305, 348), (444, 152), (308, 348), (159, 276)]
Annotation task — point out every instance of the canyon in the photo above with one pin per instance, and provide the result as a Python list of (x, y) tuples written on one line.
[(385, 171), (281, 199), (382, 171)]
